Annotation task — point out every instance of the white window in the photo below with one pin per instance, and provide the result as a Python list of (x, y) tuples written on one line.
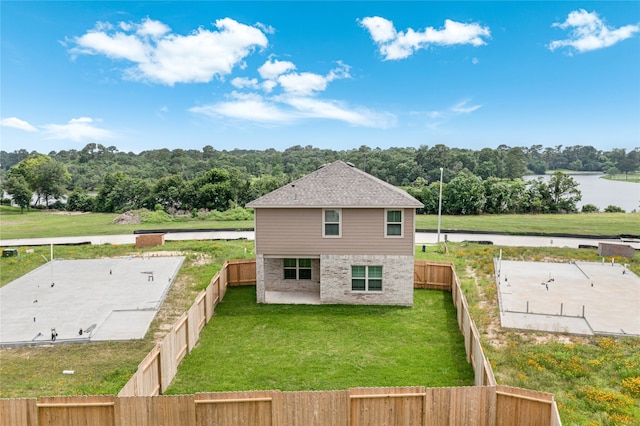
[(332, 223), (393, 223), (366, 278), (297, 269)]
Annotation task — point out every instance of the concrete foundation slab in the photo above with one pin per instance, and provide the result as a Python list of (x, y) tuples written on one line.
[(573, 297), (82, 300)]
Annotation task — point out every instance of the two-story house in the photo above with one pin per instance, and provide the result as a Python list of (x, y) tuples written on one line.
[(336, 235)]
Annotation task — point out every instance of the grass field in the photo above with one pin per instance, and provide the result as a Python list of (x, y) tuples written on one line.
[(39, 224), (547, 224), (297, 347), (631, 177)]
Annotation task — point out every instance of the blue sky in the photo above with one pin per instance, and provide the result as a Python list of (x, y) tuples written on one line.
[(338, 75)]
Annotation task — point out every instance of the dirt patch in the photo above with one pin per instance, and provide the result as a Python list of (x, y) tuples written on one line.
[(180, 296), (493, 330), (128, 218), (66, 213)]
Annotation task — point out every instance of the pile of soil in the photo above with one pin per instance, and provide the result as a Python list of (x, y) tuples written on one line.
[(128, 218)]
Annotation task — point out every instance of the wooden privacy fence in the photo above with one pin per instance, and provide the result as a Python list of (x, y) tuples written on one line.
[(432, 275), (160, 366), (477, 405), (442, 276), (140, 403)]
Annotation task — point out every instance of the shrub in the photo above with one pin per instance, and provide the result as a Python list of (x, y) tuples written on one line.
[(158, 216), (613, 209), (590, 208), (237, 213)]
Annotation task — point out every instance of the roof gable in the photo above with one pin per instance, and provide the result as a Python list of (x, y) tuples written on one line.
[(337, 184)]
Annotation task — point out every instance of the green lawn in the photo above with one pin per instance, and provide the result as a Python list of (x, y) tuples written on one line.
[(545, 224), (35, 224), (631, 177), (298, 347), (41, 223)]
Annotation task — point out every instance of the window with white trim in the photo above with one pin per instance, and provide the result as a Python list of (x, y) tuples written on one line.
[(297, 269), (366, 278), (332, 223), (393, 223)]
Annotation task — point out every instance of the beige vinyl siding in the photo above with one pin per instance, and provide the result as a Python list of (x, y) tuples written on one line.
[(298, 231)]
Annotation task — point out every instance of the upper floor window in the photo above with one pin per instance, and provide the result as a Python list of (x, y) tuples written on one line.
[(393, 223), (331, 223)]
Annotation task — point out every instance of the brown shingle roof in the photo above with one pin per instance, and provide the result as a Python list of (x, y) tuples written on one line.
[(337, 185)]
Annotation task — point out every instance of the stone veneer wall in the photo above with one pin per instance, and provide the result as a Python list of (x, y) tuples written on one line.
[(274, 277), (397, 280), (260, 278)]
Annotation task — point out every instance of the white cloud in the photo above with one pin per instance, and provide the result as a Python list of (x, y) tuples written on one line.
[(267, 29), (294, 98), (151, 28), (77, 129), (463, 107), (242, 82), (16, 123), (315, 108), (587, 31), (437, 118), (271, 69), (381, 29), (250, 107), (302, 84), (394, 45), (163, 57)]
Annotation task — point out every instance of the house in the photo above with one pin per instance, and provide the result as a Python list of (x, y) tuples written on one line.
[(336, 235)]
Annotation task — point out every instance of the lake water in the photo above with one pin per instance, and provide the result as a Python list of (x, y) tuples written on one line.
[(602, 192)]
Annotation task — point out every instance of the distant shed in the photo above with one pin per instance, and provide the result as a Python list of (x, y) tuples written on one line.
[(616, 249), (149, 240)]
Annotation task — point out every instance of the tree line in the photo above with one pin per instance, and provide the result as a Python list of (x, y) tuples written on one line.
[(103, 179)]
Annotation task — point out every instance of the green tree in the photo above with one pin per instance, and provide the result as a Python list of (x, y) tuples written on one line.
[(80, 201), (537, 198), (497, 195), (120, 192), (18, 188), (489, 163), (168, 191), (515, 163), (564, 192), (629, 162), (46, 177), (213, 190), (463, 195), (52, 179)]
